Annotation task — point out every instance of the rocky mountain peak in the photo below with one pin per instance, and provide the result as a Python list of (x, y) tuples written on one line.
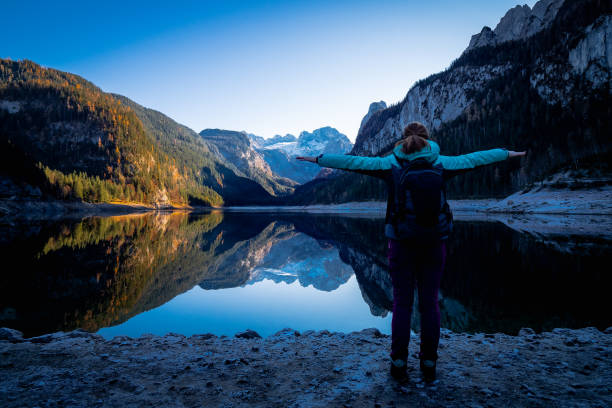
[(257, 141), (512, 25), (374, 107), (519, 22), (484, 38), (323, 140), (281, 139)]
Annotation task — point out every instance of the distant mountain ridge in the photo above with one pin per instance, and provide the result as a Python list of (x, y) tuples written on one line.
[(261, 142), (322, 140), (280, 151)]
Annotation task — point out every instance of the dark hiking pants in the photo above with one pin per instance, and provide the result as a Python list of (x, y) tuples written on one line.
[(416, 264)]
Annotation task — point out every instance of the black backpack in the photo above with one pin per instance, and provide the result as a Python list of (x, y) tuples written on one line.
[(420, 208)]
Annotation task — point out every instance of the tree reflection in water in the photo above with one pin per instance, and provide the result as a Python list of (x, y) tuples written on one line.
[(101, 271)]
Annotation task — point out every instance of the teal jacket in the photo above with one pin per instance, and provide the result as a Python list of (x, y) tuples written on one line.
[(381, 167), (430, 153)]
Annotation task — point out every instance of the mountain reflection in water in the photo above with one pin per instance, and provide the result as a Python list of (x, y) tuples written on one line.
[(226, 272)]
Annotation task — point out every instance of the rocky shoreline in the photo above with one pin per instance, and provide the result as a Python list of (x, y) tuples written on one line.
[(542, 200), (536, 201), (38, 210), (562, 368)]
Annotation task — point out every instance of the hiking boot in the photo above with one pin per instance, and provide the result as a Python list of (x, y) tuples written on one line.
[(398, 370), (428, 369)]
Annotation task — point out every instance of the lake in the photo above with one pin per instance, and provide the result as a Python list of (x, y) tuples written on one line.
[(225, 272)]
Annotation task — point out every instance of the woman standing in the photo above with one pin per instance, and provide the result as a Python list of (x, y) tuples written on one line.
[(417, 224)]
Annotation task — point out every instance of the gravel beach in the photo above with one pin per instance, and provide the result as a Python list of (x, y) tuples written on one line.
[(562, 368)]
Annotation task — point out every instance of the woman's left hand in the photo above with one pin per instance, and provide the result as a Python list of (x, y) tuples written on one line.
[(307, 158), (515, 154)]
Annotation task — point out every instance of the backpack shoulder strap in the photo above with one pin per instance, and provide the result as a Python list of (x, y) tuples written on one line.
[(402, 162)]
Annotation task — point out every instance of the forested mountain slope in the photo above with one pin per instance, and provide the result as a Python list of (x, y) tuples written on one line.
[(200, 159), (87, 144), (63, 137)]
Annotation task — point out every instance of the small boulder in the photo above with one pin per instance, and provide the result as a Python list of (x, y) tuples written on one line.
[(287, 333), (373, 332), (47, 338), (526, 331), (248, 334), (12, 335), (80, 333), (205, 336)]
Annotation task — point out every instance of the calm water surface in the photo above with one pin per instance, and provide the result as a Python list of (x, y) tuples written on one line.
[(222, 273)]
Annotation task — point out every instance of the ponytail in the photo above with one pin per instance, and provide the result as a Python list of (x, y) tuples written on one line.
[(415, 137)]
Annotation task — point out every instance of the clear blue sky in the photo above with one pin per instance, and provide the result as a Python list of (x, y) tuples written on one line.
[(267, 67)]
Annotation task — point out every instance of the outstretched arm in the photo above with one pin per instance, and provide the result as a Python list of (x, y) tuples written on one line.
[(348, 162), (476, 159)]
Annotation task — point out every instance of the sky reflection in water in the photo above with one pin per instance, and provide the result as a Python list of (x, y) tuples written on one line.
[(265, 307), (223, 273)]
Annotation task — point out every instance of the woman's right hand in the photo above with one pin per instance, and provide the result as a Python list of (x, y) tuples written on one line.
[(307, 159), (516, 154)]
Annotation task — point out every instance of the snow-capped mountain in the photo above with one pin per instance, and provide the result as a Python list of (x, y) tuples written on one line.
[(280, 151), (302, 258), (261, 142), (323, 140)]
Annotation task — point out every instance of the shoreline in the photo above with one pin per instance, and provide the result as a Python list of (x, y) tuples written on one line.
[(542, 201), (595, 202), (34, 210), (564, 367)]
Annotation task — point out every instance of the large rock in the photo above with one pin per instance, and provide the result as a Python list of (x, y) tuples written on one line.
[(12, 335), (248, 334)]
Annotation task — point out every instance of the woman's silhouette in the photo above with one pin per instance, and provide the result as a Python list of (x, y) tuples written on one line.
[(417, 224)]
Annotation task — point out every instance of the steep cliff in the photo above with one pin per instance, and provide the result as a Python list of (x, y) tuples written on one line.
[(577, 34), (540, 83)]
